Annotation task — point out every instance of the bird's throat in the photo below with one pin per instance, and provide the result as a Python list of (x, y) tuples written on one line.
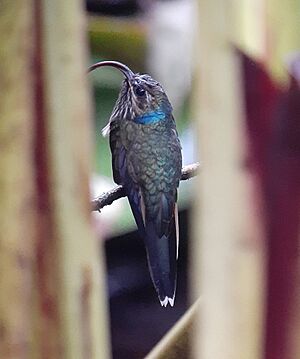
[(150, 117)]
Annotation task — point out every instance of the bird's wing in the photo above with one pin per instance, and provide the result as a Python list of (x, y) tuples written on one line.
[(121, 176), (118, 153)]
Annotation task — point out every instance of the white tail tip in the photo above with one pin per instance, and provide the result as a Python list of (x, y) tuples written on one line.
[(167, 300)]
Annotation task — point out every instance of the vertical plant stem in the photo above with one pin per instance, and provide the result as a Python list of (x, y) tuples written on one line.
[(16, 178), (228, 236), (78, 277)]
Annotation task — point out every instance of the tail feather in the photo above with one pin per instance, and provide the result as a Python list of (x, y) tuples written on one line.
[(160, 235), (162, 257)]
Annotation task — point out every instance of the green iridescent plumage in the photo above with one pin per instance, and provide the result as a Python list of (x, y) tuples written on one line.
[(153, 160)]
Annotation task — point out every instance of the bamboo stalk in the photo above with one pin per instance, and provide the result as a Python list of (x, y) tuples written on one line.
[(77, 276), (282, 32), (251, 37), (228, 249), (16, 172)]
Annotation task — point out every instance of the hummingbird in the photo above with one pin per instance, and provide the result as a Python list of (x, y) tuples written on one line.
[(147, 162)]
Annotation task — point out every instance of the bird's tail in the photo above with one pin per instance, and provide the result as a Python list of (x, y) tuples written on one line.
[(161, 238), (162, 257)]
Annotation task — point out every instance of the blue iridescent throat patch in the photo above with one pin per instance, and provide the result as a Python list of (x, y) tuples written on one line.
[(150, 117)]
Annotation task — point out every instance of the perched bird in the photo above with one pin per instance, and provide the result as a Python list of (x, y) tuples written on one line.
[(147, 162)]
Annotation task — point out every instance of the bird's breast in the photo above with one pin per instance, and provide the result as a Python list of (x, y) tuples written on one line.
[(153, 156)]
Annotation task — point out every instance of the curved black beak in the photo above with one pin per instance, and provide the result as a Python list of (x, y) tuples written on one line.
[(118, 65)]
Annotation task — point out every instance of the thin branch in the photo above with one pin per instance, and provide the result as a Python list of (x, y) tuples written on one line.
[(107, 198), (189, 171), (177, 343)]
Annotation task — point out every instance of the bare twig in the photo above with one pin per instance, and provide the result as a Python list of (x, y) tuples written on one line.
[(109, 197), (189, 171), (177, 342)]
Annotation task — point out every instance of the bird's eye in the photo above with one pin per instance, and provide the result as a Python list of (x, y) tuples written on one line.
[(139, 91)]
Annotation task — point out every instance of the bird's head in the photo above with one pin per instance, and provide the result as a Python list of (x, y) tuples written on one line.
[(141, 99)]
